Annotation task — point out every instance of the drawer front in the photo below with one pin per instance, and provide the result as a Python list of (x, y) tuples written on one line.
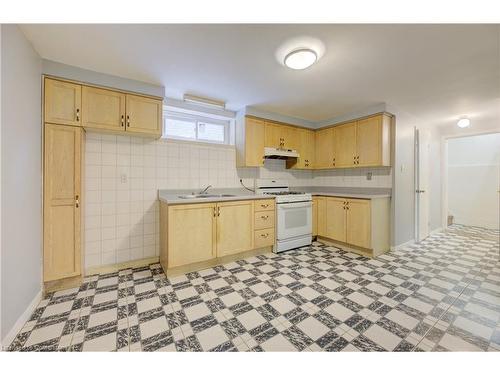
[(264, 219), (264, 205), (264, 237)]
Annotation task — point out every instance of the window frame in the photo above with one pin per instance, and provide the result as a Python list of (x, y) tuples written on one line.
[(196, 119)]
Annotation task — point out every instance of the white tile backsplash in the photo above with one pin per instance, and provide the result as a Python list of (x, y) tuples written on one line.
[(123, 175)]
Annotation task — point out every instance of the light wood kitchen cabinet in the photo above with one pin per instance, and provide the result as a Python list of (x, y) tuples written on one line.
[(235, 227), (345, 145), (336, 219), (201, 232), (62, 102), (281, 136), (358, 222), (62, 197), (103, 109), (250, 136), (373, 141), (306, 149), (321, 215), (191, 233), (144, 115), (325, 153)]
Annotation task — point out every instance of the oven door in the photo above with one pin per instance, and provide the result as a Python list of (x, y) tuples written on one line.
[(294, 220)]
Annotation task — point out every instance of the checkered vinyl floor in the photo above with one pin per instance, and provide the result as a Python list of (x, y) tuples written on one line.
[(440, 295)]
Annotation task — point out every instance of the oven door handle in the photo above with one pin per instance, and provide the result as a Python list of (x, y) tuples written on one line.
[(285, 206)]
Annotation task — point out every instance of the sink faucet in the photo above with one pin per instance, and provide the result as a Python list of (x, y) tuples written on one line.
[(204, 191)]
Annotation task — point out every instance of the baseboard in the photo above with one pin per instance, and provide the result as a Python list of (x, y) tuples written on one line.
[(400, 246), (121, 266), (21, 321)]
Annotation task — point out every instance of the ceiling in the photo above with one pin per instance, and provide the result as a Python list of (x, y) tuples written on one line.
[(434, 72)]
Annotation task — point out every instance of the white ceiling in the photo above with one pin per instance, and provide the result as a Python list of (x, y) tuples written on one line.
[(435, 72)]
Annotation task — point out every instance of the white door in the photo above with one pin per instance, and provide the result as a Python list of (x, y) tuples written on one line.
[(422, 147)]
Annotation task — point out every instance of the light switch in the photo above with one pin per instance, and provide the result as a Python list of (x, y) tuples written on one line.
[(369, 176), (123, 178)]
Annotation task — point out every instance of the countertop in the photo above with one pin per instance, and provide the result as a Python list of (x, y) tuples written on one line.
[(172, 196)]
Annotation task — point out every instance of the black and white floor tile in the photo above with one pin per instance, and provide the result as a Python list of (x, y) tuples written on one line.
[(440, 295)]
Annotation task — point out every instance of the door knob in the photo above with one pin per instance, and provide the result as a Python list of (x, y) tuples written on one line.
[(420, 191)]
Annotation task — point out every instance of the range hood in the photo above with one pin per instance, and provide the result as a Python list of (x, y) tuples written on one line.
[(279, 153)]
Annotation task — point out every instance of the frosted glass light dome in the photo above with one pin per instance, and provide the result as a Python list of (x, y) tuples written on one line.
[(300, 58)]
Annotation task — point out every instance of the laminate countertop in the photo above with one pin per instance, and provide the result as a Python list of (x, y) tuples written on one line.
[(173, 196)]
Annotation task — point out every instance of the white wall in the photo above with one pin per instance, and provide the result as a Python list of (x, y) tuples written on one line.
[(21, 158), (473, 180), (122, 220)]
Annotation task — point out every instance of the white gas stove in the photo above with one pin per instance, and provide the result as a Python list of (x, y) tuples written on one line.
[(293, 214)]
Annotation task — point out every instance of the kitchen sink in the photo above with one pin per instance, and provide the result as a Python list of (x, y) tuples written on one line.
[(196, 196)]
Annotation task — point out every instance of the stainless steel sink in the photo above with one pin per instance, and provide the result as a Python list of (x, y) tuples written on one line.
[(196, 196)]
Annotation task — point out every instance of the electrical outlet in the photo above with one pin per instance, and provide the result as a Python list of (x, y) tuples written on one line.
[(123, 178), (369, 176)]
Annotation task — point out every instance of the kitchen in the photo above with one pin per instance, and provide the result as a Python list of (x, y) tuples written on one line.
[(183, 222)]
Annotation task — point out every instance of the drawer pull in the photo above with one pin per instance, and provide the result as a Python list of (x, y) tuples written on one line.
[(265, 217), (265, 205), (265, 235)]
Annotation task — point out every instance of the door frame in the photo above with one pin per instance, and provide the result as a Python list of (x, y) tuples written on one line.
[(444, 168), (416, 183)]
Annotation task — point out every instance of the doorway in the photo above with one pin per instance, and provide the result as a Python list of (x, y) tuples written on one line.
[(472, 181)]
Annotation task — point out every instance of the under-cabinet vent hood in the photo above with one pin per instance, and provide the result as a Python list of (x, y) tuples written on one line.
[(279, 153)]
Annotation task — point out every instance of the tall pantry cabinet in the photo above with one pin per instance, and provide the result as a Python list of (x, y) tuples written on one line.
[(63, 150)]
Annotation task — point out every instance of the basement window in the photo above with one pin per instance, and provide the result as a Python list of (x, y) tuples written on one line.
[(193, 127)]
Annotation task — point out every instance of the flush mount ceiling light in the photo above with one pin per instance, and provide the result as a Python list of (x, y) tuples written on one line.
[(300, 52), (301, 58), (464, 122)]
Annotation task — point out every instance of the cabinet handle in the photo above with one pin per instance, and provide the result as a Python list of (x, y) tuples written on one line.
[(77, 201), (78, 114), (215, 212), (218, 211), (265, 217), (265, 235), (264, 205), (123, 120), (128, 121)]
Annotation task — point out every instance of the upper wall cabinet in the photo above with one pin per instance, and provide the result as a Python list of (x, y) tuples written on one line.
[(345, 145), (281, 136), (250, 142), (306, 149), (102, 109), (325, 149), (373, 141), (144, 115), (63, 101)]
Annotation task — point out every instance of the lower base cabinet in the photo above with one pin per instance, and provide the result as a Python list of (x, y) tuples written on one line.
[(362, 224), (193, 233)]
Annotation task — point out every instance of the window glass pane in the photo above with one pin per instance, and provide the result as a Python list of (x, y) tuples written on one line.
[(211, 132), (179, 128)]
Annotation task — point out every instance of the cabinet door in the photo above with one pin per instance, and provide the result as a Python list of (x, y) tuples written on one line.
[(144, 115), (103, 109), (254, 142), (325, 151), (369, 141), (274, 135), (290, 137), (359, 222), (336, 219), (321, 215), (62, 202), (62, 102), (315, 217), (345, 145), (191, 233), (235, 227), (305, 149)]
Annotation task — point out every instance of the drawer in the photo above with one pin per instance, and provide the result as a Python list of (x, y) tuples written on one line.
[(264, 237), (264, 219), (264, 205)]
